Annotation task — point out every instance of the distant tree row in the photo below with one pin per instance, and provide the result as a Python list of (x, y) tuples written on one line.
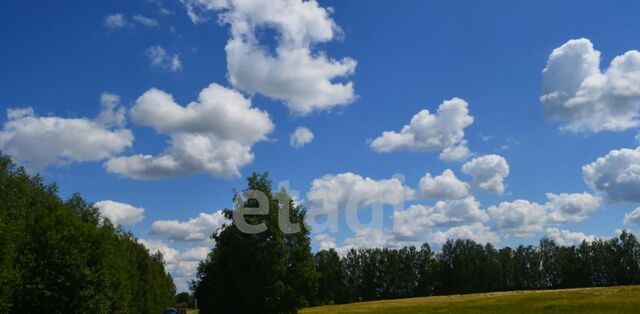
[(275, 272), (464, 266), (60, 257)]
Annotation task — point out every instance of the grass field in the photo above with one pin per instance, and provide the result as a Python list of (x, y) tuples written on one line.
[(590, 300)]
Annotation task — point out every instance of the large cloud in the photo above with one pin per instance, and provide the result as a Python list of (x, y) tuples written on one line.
[(518, 218), (214, 134), (41, 141), (616, 175), (575, 90), (293, 72), (568, 238), (444, 186), (488, 172), (442, 131), (476, 232), (571, 207), (331, 193), (195, 229), (420, 219), (120, 213)]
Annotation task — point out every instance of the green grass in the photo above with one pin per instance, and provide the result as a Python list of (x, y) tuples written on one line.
[(625, 299), (192, 311)]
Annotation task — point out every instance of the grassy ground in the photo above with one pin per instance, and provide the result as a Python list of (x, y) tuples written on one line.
[(192, 311), (590, 300)]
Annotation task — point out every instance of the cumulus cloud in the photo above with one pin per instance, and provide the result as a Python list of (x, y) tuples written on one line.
[(476, 232), (120, 213), (331, 193), (325, 241), (574, 207), (41, 141), (444, 186), (568, 238), (114, 21), (442, 131), (293, 72), (616, 175), (518, 218), (420, 219), (112, 115), (181, 264), (632, 217), (488, 172), (195, 229), (161, 59), (214, 134), (300, 137), (576, 91)]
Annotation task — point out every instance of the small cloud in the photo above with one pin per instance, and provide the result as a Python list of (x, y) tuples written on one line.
[(146, 21), (300, 137), (115, 21), (159, 58)]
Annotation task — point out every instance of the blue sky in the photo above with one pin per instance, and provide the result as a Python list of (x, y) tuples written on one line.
[(60, 58)]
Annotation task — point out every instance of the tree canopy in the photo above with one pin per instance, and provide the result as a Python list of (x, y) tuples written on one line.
[(267, 272), (60, 256)]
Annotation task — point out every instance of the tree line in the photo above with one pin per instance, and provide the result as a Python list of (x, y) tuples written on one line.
[(276, 272), (464, 266), (60, 256)]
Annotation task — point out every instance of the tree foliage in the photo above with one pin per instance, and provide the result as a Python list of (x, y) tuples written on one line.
[(464, 266), (267, 272), (61, 257)]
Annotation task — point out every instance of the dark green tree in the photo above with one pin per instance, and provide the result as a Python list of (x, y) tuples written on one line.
[(266, 272)]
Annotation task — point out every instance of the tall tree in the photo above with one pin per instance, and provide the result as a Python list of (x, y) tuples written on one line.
[(267, 272)]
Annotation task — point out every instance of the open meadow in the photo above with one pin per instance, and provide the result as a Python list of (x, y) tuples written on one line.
[(622, 299)]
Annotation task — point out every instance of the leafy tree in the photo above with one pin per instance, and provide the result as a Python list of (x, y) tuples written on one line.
[(60, 257), (267, 272)]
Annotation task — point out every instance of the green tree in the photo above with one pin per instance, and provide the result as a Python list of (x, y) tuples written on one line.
[(267, 272)]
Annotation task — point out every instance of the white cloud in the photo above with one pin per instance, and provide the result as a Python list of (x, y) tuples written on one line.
[(114, 21), (146, 21), (616, 175), (182, 265), (575, 90), (370, 238), (293, 72), (568, 238), (194, 229), (41, 141), (632, 217), (120, 213), (325, 241), (300, 137), (445, 186), (331, 193), (488, 172), (428, 132), (160, 59), (476, 232), (418, 220), (112, 115), (571, 207), (459, 152), (518, 218), (214, 134)]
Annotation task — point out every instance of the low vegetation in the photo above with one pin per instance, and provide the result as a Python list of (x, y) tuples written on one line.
[(614, 300)]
